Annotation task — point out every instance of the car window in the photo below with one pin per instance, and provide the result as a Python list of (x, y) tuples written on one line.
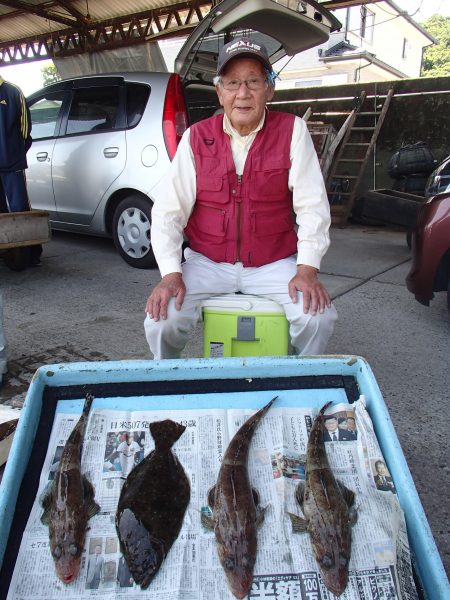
[(93, 109), (44, 115), (137, 96)]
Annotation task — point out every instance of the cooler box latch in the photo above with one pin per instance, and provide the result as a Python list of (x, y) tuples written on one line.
[(246, 330)]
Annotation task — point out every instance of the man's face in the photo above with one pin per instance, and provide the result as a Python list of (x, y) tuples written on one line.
[(244, 107), (129, 439), (351, 424), (331, 424), (381, 469)]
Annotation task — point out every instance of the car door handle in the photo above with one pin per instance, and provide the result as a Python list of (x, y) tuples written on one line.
[(42, 156), (111, 152)]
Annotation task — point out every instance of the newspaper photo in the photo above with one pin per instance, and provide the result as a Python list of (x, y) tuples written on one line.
[(117, 440)]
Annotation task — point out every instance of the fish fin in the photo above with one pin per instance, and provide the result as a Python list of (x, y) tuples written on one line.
[(260, 514), (89, 493), (299, 525), (142, 551), (211, 496), (347, 494), (46, 500), (207, 521), (300, 493), (93, 508), (45, 517), (352, 516), (165, 433)]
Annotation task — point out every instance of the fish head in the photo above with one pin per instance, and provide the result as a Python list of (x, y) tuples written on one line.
[(237, 556), (333, 559), (67, 532), (67, 558)]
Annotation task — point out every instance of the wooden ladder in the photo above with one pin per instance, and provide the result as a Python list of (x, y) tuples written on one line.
[(351, 159)]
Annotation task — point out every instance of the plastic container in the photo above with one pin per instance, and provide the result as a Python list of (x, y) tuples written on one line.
[(243, 325), (195, 383)]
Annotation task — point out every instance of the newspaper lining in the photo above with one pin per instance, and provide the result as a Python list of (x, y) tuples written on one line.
[(285, 567)]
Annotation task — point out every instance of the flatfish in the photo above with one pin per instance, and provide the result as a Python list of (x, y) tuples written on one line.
[(236, 510), (152, 504), (69, 503), (328, 509)]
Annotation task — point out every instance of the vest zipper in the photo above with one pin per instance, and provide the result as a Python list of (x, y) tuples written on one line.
[(238, 218)]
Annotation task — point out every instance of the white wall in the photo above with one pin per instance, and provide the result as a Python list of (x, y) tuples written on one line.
[(389, 34), (387, 39)]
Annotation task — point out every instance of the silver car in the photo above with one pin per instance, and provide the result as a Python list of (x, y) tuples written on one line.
[(101, 143)]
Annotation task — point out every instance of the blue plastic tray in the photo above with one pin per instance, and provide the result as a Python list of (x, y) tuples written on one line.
[(207, 376)]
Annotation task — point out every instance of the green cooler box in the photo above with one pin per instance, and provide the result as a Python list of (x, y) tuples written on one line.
[(242, 325)]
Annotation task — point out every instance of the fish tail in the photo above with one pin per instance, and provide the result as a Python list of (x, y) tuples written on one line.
[(166, 433), (324, 407), (87, 404), (267, 406)]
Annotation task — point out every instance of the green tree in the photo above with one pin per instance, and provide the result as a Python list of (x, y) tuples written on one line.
[(50, 75), (436, 61)]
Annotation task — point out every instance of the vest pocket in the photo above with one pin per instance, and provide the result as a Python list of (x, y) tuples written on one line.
[(208, 220), (266, 225), (212, 190), (269, 179), (209, 184)]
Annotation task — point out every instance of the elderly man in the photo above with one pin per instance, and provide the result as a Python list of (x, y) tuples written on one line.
[(231, 190)]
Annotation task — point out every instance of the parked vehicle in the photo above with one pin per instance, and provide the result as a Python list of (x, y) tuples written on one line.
[(430, 268), (102, 143)]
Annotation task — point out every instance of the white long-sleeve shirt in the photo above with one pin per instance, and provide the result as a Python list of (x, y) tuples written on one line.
[(175, 197)]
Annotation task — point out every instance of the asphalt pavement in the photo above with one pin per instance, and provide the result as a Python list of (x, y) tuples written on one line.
[(84, 303)]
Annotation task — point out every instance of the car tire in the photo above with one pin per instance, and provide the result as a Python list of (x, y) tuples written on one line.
[(131, 231), (17, 259)]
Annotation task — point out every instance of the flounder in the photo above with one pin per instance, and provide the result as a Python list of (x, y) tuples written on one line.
[(152, 504)]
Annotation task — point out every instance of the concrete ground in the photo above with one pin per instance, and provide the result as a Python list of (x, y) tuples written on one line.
[(85, 303)]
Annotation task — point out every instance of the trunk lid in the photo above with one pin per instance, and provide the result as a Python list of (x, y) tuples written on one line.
[(285, 27)]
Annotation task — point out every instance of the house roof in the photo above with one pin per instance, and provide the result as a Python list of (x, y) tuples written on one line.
[(342, 47), (358, 54)]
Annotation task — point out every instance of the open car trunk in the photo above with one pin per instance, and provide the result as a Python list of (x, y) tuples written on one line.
[(284, 27)]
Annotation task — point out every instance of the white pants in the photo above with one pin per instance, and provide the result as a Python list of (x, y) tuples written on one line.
[(205, 278)]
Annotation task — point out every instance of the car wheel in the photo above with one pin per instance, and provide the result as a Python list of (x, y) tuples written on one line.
[(17, 259), (131, 231)]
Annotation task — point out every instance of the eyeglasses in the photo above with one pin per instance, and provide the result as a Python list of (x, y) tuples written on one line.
[(254, 84)]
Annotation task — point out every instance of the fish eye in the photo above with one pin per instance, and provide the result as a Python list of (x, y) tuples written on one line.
[(74, 549), (57, 552), (228, 564), (247, 561), (327, 561), (343, 560)]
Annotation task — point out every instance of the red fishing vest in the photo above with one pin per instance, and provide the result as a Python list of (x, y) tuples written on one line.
[(247, 218)]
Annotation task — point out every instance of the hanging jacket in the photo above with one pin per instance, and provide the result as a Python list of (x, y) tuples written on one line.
[(246, 218), (15, 127)]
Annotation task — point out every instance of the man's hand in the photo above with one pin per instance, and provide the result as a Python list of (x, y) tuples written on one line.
[(315, 296), (170, 286)]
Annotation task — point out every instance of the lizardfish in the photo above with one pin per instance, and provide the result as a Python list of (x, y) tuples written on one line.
[(69, 503), (329, 512), (236, 514)]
